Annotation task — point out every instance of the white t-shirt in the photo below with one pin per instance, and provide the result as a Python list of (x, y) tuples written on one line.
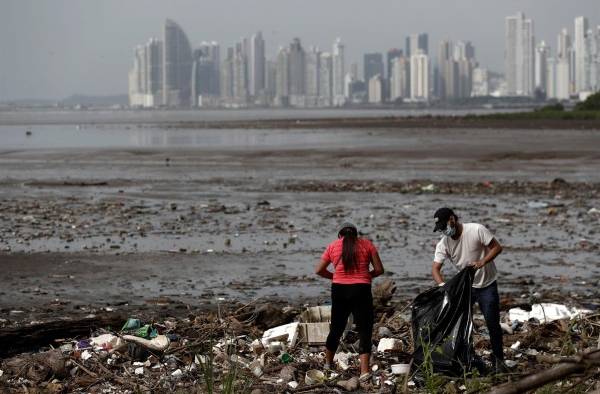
[(472, 245)]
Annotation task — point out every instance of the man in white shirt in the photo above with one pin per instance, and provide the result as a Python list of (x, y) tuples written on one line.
[(472, 244)]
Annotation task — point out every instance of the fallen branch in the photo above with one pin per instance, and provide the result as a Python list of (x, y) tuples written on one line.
[(16, 340), (578, 364)]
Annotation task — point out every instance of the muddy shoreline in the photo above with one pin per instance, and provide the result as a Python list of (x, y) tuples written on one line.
[(408, 122), (83, 230)]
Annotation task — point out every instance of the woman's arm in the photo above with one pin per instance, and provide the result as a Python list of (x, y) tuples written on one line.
[(322, 270), (377, 266)]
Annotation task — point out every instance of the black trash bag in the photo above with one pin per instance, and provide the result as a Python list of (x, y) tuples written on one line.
[(442, 322)]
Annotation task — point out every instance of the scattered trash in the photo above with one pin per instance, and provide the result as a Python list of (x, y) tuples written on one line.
[(389, 344), (185, 347), (287, 332), (351, 384), (400, 369), (314, 376), (545, 312), (158, 344)]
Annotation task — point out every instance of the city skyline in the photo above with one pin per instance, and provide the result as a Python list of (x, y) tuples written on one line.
[(65, 42), (299, 77)]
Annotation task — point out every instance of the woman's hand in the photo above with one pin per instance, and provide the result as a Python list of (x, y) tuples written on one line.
[(322, 270)]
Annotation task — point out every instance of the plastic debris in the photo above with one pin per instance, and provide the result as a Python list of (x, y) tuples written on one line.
[(546, 312), (389, 345)]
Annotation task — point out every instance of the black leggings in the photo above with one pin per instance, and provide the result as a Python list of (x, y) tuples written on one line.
[(355, 299)]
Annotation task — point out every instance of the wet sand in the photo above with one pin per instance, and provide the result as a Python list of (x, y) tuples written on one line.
[(132, 228)]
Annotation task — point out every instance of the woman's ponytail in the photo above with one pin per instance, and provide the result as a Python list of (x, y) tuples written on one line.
[(350, 235)]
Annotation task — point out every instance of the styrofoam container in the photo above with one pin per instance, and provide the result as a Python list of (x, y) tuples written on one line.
[(400, 369)]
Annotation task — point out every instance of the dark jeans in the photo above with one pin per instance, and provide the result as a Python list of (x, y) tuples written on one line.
[(489, 303), (355, 299)]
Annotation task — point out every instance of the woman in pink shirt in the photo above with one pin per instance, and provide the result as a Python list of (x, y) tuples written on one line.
[(351, 257)]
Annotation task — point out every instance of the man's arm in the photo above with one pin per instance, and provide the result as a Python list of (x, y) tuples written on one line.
[(322, 270), (377, 266), (494, 249), (436, 272)]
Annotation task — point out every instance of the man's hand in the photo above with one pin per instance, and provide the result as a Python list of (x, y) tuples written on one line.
[(477, 264)]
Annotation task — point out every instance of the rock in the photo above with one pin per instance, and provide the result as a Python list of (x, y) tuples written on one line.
[(351, 384), (287, 373), (38, 367), (383, 332), (383, 292)]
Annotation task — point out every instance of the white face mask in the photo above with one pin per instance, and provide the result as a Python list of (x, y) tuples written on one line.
[(449, 231)]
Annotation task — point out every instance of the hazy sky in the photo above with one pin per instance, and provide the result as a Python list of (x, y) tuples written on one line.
[(55, 48)]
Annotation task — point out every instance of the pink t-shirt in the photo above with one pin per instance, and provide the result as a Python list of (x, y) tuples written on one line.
[(365, 250)]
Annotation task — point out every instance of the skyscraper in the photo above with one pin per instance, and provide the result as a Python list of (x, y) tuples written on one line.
[(205, 73), (297, 69), (376, 89), (325, 79), (419, 76), (581, 55), (400, 78), (416, 42), (226, 84), (146, 78), (339, 73), (519, 55), (257, 64), (447, 71), (542, 52), (313, 63), (240, 73), (481, 85), (373, 65), (390, 56), (282, 91), (594, 37), (177, 66)]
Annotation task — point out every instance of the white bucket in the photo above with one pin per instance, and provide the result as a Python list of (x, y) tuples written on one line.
[(400, 369)]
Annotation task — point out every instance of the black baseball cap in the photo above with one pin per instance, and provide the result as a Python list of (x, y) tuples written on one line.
[(347, 225), (441, 217)]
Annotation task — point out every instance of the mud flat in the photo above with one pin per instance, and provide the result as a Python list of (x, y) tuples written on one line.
[(129, 228)]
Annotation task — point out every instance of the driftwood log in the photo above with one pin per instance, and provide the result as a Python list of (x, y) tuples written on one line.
[(578, 364), (16, 340)]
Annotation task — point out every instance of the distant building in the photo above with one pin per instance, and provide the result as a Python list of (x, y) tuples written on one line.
[(177, 66), (146, 77), (390, 56), (375, 89), (542, 52), (581, 55), (372, 65), (400, 79), (227, 77), (481, 85), (338, 73), (313, 65), (205, 74), (519, 55), (325, 80), (416, 42), (419, 77), (282, 91), (257, 65), (447, 71)]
